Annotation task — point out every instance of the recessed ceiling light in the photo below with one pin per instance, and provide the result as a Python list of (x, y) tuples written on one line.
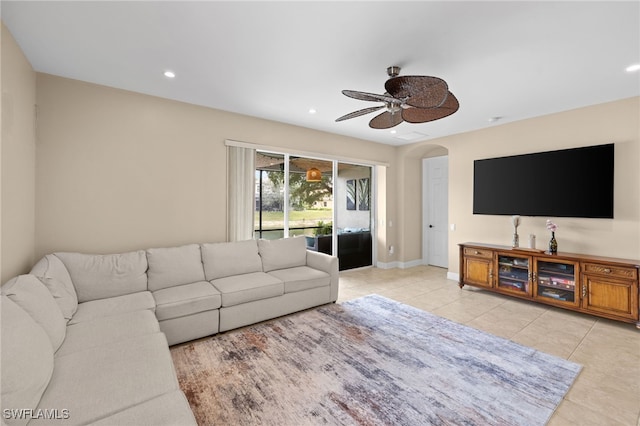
[(312, 111), (169, 74), (494, 119), (633, 68), (393, 132)]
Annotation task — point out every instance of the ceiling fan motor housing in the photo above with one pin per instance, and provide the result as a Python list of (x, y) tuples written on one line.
[(393, 71)]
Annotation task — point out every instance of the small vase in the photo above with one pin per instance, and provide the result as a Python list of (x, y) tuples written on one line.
[(515, 242), (553, 244)]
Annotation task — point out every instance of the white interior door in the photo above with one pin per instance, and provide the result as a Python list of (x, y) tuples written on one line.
[(435, 191)]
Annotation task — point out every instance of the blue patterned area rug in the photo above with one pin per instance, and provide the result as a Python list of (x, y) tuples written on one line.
[(369, 361)]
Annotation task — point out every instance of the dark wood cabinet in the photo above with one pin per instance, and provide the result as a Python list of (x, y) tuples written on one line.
[(607, 287)]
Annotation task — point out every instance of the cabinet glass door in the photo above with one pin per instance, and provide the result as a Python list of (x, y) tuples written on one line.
[(556, 281), (513, 274)]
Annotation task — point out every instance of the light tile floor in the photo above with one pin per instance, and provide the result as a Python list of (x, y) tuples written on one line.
[(607, 391)]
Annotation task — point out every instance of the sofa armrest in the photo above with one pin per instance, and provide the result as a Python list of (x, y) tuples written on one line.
[(326, 263)]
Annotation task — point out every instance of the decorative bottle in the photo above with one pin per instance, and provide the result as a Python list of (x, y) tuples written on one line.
[(553, 244)]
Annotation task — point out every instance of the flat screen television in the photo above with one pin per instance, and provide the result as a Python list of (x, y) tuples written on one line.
[(575, 182)]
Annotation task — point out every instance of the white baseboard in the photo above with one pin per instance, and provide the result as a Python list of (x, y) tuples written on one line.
[(386, 265), (453, 276), (398, 264)]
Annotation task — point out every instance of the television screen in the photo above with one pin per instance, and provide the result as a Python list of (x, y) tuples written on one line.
[(574, 182)]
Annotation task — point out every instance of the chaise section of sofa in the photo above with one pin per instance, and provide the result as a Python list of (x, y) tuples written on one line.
[(95, 370)]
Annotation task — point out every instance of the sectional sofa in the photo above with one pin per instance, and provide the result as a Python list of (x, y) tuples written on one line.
[(85, 337)]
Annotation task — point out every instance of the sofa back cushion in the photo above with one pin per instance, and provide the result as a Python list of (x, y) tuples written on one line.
[(226, 259), (283, 253), (98, 276), (27, 360), (54, 275), (169, 267), (28, 292)]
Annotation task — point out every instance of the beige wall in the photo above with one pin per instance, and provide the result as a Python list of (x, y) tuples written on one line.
[(119, 171), (617, 122), (17, 212)]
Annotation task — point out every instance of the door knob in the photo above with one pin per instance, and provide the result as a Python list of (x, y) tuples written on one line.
[(430, 226)]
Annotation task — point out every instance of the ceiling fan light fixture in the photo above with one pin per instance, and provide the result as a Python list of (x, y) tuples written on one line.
[(314, 175)]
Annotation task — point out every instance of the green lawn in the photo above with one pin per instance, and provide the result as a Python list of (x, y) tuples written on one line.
[(297, 218)]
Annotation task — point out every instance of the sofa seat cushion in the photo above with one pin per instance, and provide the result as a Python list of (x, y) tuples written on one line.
[(174, 302), (114, 306), (97, 276), (245, 288), (53, 274), (101, 381), (28, 292), (301, 278), (27, 360), (174, 266), (108, 330), (170, 409)]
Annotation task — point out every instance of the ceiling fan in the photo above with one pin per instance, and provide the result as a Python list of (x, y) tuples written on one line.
[(411, 98)]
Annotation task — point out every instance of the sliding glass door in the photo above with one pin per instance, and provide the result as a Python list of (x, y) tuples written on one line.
[(354, 215), (298, 195)]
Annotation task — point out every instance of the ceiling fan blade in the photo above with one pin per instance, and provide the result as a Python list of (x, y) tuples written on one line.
[(386, 120), (359, 113), (422, 115), (363, 96), (419, 91)]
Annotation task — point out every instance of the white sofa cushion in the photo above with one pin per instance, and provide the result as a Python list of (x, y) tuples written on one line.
[(104, 380), (27, 360), (170, 409), (53, 274), (108, 330), (98, 276), (186, 299), (283, 253), (227, 259), (245, 288), (174, 266), (301, 278), (114, 306), (28, 292)]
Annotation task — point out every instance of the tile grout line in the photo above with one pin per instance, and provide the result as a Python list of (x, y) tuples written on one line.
[(583, 338)]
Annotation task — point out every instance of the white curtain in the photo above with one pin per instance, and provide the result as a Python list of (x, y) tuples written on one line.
[(240, 192)]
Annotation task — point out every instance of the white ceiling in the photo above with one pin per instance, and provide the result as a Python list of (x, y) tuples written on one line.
[(276, 60)]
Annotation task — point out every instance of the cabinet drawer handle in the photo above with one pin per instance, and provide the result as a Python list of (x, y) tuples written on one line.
[(607, 270), (477, 252)]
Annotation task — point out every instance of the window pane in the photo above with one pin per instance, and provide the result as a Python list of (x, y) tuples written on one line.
[(269, 214), (311, 200)]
